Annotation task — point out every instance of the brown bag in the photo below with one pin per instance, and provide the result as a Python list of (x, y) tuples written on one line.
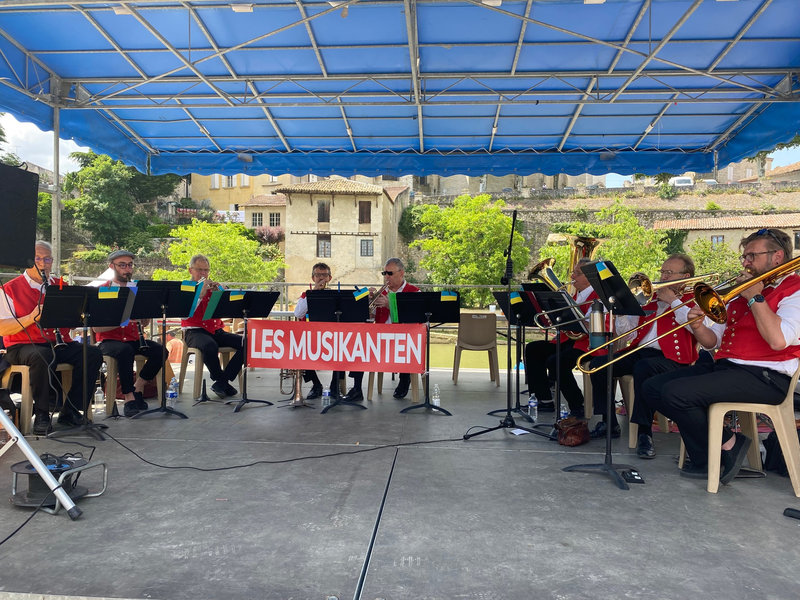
[(572, 431)]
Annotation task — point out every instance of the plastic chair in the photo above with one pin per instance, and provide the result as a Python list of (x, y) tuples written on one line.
[(112, 371), (478, 331), (26, 407), (226, 352), (415, 386)]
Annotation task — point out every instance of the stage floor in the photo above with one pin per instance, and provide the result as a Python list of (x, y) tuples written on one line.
[(374, 504)]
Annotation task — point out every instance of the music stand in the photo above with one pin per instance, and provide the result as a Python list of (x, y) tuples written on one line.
[(173, 299), (520, 314), (81, 306), (424, 307), (240, 304), (337, 306), (618, 300)]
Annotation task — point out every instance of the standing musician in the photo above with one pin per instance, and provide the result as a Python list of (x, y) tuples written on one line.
[(321, 277), (208, 335), (660, 356), (756, 356), (540, 356), (28, 344), (124, 343), (394, 280)]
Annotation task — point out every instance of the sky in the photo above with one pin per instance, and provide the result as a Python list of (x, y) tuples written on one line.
[(33, 145)]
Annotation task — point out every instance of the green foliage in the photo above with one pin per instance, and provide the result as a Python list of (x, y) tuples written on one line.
[(719, 258), (626, 242), (98, 254), (464, 245), (159, 230), (663, 178), (666, 192), (409, 226), (674, 240), (233, 254), (712, 206), (44, 216), (581, 212), (767, 208)]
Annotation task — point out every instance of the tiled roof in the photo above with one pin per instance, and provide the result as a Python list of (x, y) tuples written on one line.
[(266, 200), (781, 221), (392, 192), (792, 168), (328, 186)]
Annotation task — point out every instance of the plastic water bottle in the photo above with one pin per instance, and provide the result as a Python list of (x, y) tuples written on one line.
[(326, 397), (435, 398), (172, 392), (533, 407), (563, 412), (99, 396)]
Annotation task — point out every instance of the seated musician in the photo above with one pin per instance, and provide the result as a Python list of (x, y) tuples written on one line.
[(653, 357), (124, 343), (394, 279), (321, 277), (209, 335), (540, 356), (756, 356), (28, 344)]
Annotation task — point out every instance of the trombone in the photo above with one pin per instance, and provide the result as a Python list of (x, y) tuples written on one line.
[(645, 290), (707, 298)]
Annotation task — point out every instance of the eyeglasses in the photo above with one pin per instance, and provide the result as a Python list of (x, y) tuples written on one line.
[(200, 270), (387, 273), (750, 256), (124, 265), (48, 260), (667, 272), (320, 274)]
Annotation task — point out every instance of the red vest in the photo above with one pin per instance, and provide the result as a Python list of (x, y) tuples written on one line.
[(196, 320), (129, 333), (25, 299), (680, 345), (741, 338), (582, 343), (382, 312)]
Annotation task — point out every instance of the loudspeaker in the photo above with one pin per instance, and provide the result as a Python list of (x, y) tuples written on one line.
[(19, 195)]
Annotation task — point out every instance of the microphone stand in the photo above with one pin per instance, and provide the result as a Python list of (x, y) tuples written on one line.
[(508, 421)]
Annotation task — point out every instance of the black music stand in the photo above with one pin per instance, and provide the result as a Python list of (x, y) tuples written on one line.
[(81, 306), (424, 307), (520, 314), (241, 304), (337, 306), (618, 299), (173, 299)]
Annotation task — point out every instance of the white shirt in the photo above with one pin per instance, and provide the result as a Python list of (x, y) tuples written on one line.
[(7, 310)]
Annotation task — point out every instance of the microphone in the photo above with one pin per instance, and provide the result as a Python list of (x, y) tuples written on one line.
[(597, 326)]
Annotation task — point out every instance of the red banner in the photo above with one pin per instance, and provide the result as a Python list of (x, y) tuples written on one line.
[(396, 348)]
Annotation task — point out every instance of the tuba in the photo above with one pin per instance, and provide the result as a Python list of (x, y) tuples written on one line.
[(581, 247)]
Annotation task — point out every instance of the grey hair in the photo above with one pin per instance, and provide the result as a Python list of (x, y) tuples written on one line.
[(42, 244), (396, 261), (196, 257)]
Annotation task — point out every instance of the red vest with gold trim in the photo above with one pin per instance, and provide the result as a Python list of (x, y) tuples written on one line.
[(25, 300), (741, 338), (196, 320), (680, 345), (129, 333)]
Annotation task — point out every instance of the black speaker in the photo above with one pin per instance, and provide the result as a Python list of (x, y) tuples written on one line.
[(19, 195)]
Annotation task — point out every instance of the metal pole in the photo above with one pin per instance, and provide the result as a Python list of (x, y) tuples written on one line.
[(55, 209)]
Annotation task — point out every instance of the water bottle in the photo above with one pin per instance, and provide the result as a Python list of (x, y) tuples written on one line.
[(563, 412), (435, 397), (99, 396), (326, 397), (172, 392), (533, 407)]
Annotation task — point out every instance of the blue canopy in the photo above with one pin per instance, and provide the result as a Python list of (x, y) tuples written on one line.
[(407, 86)]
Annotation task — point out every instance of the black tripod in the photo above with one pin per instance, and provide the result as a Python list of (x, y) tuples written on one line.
[(427, 404), (245, 400)]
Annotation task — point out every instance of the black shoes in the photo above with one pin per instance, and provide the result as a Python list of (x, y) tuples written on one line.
[(219, 388), (600, 431), (692, 471), (547, 406), (400, 392), (130, 409), (316, 392), (138, 401), (70, 417), (731, 461), (42, 424), (354, 395), (645, 447), (230, 391)]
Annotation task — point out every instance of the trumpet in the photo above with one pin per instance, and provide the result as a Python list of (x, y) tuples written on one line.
[(213, 285), (377, 295)]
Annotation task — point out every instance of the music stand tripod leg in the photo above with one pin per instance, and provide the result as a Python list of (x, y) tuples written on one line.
[(162, 408), (517, 408), (245, 400), (427, 404)]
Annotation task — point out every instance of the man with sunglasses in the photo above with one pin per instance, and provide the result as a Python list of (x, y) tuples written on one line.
[(28, 344), (756, 355), (394, 279), (123, 343)]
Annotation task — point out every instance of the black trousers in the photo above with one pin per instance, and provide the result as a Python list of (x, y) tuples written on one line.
[(646, 368), (540, 360), (685, 395), (626, 365), (39, 357), (403, 380), (311, 375), (125, 353), (209, 344)]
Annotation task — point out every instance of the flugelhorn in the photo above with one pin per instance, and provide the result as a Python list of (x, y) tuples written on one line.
[(710, 302), (377, 295)]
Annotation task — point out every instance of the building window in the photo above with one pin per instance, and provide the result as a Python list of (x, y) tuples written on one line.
[(364, 212), (272, 178), (748, 173), (245, 180), (274, 219), (258, 219), (215, 182), (323, 211), (388, 178), (229, 181), (312, 178), (717, 240), (324, 246), (797, 240), (367, 248)]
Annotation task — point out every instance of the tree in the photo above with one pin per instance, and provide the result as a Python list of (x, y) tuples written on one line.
[(44, 216), (715, 258), (233, 254), (464, 245)]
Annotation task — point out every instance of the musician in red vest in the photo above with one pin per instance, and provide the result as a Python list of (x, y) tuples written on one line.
[(655, 357), (540, 356), (208, 335), (28, 344), (394, 279), (757, 350), (123, 343)]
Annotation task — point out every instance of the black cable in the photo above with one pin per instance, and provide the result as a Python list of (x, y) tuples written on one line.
[(33, 514)]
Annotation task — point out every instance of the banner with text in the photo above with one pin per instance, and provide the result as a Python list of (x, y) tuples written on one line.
[(383, 348)]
